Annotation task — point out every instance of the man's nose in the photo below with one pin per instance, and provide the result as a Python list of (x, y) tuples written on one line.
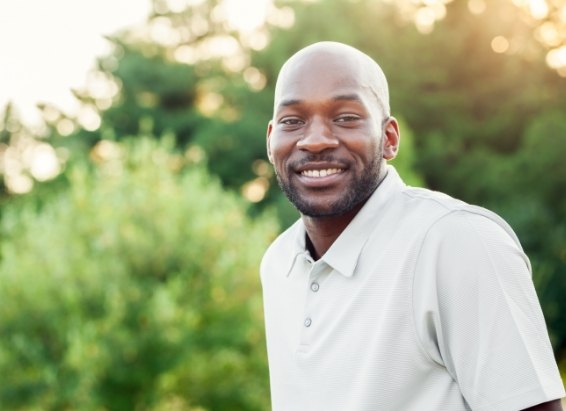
[(318, 137)]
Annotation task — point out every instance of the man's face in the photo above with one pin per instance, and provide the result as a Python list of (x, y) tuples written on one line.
[(325, 139)]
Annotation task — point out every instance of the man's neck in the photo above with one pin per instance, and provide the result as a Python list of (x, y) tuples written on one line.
[(323, 231)]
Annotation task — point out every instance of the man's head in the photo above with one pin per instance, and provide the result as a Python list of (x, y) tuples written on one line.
[(331, 129)]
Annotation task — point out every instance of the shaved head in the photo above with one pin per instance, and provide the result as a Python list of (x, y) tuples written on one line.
[(320, 59)]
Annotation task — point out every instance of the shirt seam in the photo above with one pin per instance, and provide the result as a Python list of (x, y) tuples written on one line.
[(449, 212), (494, 269), (456, 207), (466, 215), (420, 343)]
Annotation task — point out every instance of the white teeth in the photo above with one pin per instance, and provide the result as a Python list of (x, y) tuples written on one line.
[(321, 173)]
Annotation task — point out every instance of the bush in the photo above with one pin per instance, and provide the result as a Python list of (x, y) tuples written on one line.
[(134, 288)]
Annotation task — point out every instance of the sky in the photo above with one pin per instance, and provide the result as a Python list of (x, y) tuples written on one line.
[(48, 47)]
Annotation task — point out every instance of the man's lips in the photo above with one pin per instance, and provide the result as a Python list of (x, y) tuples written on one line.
[(316, 173), (320, 174), (313, 167)]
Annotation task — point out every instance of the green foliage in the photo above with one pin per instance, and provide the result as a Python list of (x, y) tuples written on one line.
[(157, 94), (536, 206), (134, 288)]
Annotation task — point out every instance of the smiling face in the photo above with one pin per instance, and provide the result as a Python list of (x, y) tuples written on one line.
[(330, 135)]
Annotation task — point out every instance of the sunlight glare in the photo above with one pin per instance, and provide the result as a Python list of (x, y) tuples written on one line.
[(539, 9), (218, 46), (11, 164), (103, 103), (195, 154), (255, 78), (246, 16), (262, 168), (89, 118), (106, 151), (520, 3), (47, 47), (18, 183), (44, 163), (424, 20), (548, 34), (161, 32), (15, 179), (101, 86), (178, 6), (65, 127), (185, 54), (439, 10), (51, 114), (476, 6), (209, 103), (283, 17), (257, 40), (556, 58), (500, 44), (236, 62), (255, 190), (199, 26)]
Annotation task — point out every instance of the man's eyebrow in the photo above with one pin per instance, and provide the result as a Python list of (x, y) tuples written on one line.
[(348, 97), (340, 97), (290, 102)]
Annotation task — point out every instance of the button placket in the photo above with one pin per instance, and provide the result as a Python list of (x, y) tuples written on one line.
[(308, 320), (317, 273)]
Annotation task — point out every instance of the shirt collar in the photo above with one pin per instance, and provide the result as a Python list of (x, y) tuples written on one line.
[(344, 253), (298, 246)]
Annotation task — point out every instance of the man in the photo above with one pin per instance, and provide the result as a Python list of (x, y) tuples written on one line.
[(383, 296)]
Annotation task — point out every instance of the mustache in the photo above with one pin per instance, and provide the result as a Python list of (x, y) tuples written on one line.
[(318, 157)]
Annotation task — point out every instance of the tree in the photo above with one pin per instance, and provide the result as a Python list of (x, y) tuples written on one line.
[(25, 156), (134, 288)]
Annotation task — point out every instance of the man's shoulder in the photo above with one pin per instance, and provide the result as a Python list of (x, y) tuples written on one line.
[(442, 210), (440, 204), (433, 199)]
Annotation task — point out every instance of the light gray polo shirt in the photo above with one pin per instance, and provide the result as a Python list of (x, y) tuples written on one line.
[(423, 303)]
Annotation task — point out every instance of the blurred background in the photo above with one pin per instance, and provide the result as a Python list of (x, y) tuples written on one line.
[(136, 199)]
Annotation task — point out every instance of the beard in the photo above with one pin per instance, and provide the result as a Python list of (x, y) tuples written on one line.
[(360, 189)]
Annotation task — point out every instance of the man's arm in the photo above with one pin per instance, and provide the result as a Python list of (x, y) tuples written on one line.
[(547, 406), (489, 328)]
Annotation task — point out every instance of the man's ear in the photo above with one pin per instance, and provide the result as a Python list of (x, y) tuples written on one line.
[(391, 139), (269, 130)]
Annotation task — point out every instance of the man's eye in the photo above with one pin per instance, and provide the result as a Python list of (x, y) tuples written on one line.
[(346, 118), (290, 121)]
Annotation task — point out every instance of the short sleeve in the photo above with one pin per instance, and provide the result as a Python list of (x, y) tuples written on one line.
[(477, 314)]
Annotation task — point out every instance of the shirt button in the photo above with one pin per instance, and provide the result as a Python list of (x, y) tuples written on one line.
[(314, 287), (308, 322)]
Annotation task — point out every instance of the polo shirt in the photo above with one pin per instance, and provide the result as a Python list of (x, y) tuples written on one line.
[(423, 303)]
